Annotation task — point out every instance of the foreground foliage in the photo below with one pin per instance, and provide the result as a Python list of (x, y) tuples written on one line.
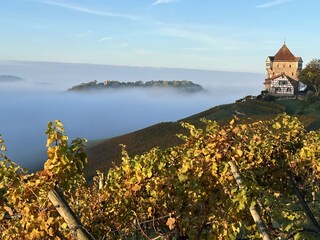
[(182, 192)]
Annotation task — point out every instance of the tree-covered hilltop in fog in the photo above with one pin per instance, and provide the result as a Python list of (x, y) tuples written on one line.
[(181, 85), (10, 78)]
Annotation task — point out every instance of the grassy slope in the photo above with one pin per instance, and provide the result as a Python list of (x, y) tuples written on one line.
[(103, 154)]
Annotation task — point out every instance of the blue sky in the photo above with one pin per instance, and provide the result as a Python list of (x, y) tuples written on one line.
[(232, 35)]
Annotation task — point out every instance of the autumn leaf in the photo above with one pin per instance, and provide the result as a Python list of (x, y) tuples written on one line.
[(171, 223)]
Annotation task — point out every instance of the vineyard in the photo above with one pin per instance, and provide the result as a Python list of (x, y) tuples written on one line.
[(236, 181)]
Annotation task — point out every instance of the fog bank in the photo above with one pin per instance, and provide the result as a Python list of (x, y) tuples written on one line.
[(27, 107)]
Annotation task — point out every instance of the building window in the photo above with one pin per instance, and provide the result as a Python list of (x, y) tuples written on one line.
[(282, 82), (289, 66), (288, 89)]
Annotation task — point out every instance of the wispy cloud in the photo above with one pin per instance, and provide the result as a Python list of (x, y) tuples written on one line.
[(186, 34), (199, 49), (163, 1), (272, 3), (123, 45), (105, 39), (212, 42), (85, 34), (78, 8)]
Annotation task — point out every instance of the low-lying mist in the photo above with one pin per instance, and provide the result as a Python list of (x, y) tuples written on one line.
[(28, 106)]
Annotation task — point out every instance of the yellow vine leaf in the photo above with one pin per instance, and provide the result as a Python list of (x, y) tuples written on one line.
[(239, 152), (171, 223), (9, 210), (276, 125), (64, 225)]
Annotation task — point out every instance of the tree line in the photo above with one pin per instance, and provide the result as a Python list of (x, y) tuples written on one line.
[(310, 76), (183, 85)]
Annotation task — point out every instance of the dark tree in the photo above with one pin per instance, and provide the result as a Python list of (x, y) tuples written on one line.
[(310, 75)]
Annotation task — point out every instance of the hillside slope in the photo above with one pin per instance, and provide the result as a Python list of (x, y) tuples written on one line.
[(103, 154)]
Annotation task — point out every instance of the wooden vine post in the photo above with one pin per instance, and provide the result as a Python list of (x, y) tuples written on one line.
[(68, 215), (253, 209)]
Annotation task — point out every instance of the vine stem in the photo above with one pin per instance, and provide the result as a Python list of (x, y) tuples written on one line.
[(303, 202), (253, 209)]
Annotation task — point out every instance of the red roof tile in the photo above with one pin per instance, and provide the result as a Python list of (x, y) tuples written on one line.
[(292, 81), (284, 54)]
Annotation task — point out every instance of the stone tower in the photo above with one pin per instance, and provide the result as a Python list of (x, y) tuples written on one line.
[(284, 62)]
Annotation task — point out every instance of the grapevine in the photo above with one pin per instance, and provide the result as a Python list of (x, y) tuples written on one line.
[(183, 192)]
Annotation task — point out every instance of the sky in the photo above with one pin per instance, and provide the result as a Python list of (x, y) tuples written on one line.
[(228, 35)]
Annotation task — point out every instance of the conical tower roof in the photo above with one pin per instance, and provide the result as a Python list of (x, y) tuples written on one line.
[(284, 54)]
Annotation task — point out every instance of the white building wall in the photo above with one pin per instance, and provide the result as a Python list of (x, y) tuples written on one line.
[(281, 86)]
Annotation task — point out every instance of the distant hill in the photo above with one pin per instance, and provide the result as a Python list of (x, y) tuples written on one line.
[(181, 85), (10, 78), (102, 154), (65, 75)]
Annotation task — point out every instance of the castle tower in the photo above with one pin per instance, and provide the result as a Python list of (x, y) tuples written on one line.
[(284, 62)]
